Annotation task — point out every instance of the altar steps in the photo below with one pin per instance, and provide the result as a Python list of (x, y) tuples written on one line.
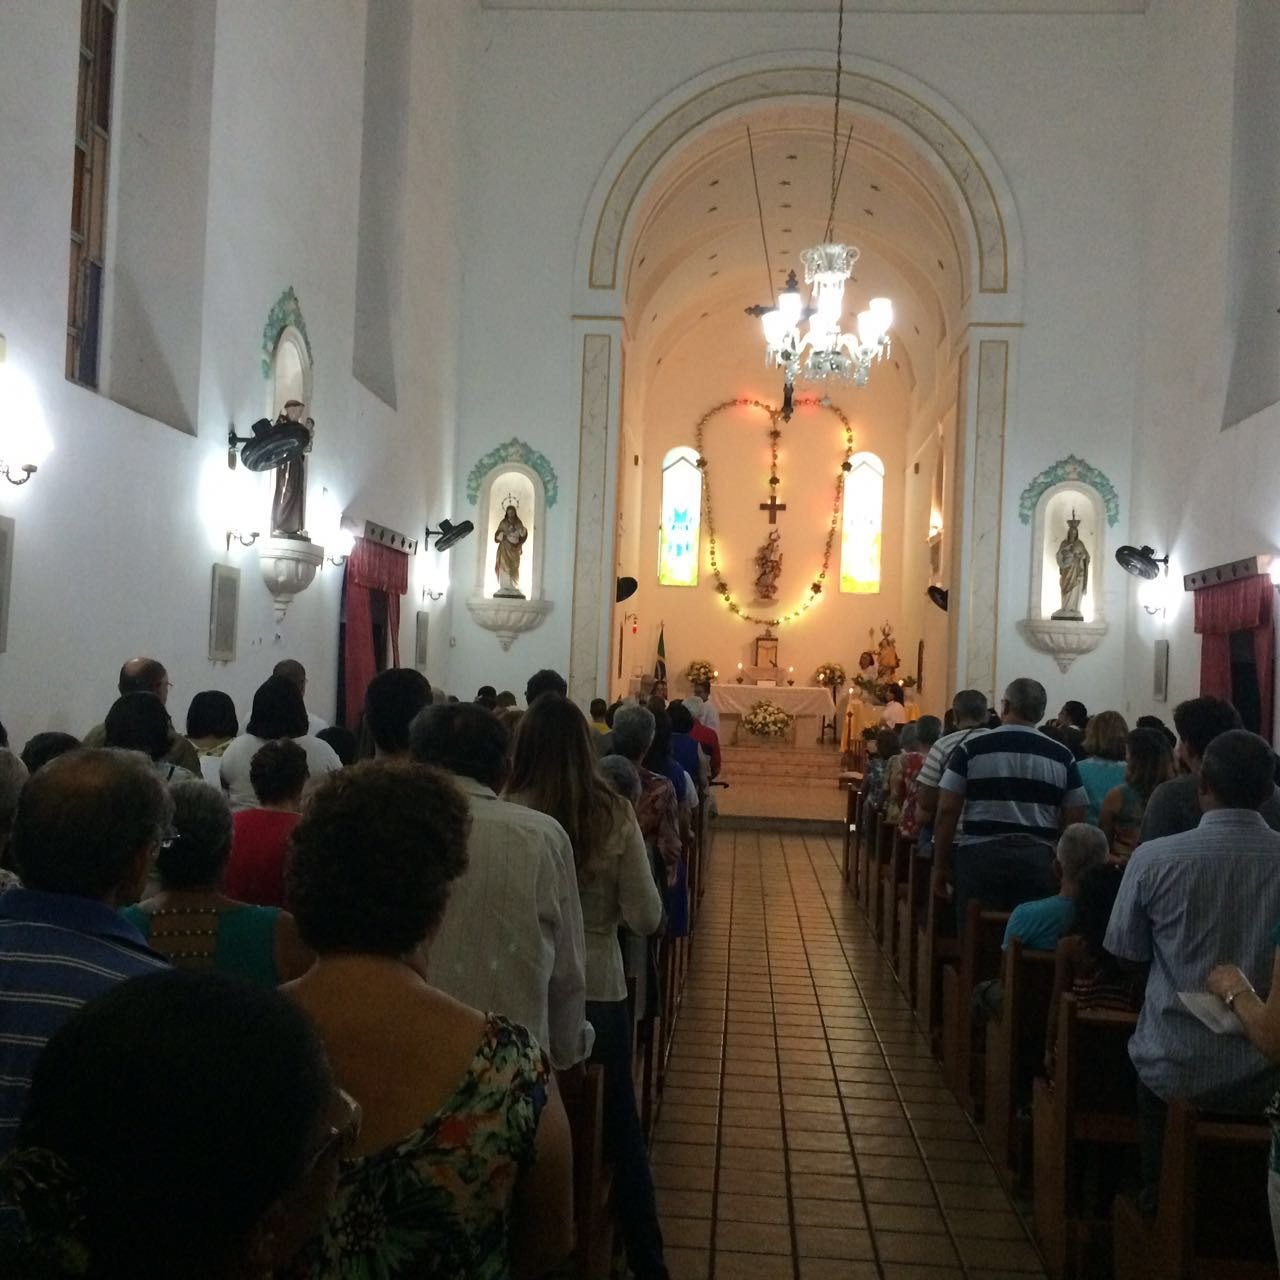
[(796, 786), (817, 767)]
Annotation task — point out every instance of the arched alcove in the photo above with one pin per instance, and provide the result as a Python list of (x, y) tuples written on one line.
[(290, 372), (511, 484)]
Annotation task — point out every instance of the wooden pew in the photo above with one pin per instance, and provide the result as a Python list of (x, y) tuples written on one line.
[(894, 875), (593, 1220), (911, 907), (937, 949), (852, 783), (886, 833), (1214, 1222), (979, 960), (868, 835), (1090, 1109), (1014, 1057)]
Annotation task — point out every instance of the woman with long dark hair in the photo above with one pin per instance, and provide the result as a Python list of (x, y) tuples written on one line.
[(555, 772), (1149, 762)]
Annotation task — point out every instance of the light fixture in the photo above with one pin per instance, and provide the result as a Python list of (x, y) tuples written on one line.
[(244, 539), (449, 534), (939, 596), (826, 350), (17, 406), (429, 594), (1141, 562), (343, 544)]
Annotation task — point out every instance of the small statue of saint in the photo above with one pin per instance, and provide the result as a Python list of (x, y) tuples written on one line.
[(510, 535), (1073, 573), (768, 564), (289, 501), (887, 661)]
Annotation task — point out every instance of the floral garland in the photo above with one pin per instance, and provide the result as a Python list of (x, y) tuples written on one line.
[(699, 671), (775, 414), (767, 720)]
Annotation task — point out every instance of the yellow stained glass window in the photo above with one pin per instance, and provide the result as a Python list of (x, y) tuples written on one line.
[(862, 527), (680, 532)]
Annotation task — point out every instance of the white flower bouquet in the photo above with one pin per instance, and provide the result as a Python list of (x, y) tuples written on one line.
[(830, 674), (767, 720), (699, 672)]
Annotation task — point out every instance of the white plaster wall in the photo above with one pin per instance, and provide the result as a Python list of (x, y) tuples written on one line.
[(116, 535), (1056, 98)]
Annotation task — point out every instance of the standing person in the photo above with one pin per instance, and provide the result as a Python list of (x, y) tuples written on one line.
[(278, 712), (709, 716), (260, 840), (969, 716), (146, 675), (511, 940), (391, 701), (928, 731), (1174, 915), (192, 921), (1106, 742), (599, 709), (1174, 805), (657, 810), (86, 831), (1073, 719), (1017, 790), (1149, 762), (463, 1167), (894, 713), (211, 726), (210, 1156), (293, 671), (685, 748), (703, 733), (555, 772), (544, 681)]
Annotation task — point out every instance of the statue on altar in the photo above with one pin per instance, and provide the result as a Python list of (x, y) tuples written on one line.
[(1073, 573), (768, 564), (887, 662), (510, 536)]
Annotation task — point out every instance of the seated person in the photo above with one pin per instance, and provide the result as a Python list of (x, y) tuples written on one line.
[(1039, 924), (191, 922), (139, 722), (260, 847), (212, 724), (192, 1123), (1149, 762), (44, 747), (1083, 967), (463, 1166)]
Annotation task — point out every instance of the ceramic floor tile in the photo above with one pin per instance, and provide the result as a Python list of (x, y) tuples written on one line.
[(737, 1207), (753, 1237)]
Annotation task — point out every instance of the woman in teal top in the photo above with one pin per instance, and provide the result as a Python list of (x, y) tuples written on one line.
[(192, 922), (1105, 741)]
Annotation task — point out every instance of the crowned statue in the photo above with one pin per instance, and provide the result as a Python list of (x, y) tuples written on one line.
[(768, 563), (1073, 573), (510, 536), (887, 662)]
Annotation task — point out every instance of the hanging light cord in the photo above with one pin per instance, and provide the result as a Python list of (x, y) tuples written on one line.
[(764, 239), (837, 166)]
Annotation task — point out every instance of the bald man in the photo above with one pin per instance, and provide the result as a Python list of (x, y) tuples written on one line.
[(146, 675)]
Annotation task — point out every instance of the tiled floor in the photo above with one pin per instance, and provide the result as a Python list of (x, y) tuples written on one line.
[(806, 1133)]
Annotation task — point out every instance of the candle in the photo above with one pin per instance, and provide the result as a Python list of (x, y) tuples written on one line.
[(739, 666)]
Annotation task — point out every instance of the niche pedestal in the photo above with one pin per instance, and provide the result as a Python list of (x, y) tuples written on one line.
[(288, 567)]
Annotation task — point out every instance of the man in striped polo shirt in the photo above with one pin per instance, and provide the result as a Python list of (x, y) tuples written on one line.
[(1017, 789), (87, 828)]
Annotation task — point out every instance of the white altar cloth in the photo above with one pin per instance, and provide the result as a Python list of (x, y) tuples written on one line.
[(797, 700)]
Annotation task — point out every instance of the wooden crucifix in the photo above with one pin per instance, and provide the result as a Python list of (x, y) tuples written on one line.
[(773, 506)]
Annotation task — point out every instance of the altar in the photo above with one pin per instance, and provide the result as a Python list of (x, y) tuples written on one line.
[(802, 701), (858, 716)]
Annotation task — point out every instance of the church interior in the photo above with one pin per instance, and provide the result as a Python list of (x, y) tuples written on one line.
[(805, 361)]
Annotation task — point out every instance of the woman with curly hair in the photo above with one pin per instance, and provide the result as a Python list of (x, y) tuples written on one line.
[(463, 1167), (555, 772)]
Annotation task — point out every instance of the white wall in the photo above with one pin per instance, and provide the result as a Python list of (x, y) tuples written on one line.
[(116, 534), (1056, 98)]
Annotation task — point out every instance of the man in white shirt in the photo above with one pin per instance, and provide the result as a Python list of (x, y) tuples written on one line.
[(708, 715), (511, 941)]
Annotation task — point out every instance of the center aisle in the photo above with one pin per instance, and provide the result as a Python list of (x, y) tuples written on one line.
[(806, 1133)]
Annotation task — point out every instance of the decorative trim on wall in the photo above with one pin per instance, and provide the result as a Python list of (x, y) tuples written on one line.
[(1063, 471), (593, 468), (285, 313), (514, 451)]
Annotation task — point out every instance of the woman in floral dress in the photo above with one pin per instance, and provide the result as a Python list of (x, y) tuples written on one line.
[(463, 1167)]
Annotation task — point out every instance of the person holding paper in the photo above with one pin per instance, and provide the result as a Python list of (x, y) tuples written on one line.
[(1186, 901)]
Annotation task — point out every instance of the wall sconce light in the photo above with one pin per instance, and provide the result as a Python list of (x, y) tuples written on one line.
[(244, 539), (343, 543), (13, 411), (429, 594)]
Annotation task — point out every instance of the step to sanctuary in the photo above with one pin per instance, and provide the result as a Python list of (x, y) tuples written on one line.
[(788, 766), (795, 785)]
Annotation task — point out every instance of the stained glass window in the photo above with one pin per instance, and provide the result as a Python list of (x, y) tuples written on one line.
[(863, 522), (678, 538)]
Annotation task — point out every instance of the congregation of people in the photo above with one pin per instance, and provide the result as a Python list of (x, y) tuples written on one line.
[(1146, 860), (281, 999)]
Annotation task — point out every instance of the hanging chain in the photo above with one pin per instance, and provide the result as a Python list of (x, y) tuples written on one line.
[(764, 239), (837, 169)]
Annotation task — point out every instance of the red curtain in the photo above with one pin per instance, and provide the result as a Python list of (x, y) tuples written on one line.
[(370, 567), (1246, 605)]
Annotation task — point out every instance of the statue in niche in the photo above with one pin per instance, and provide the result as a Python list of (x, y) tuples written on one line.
[(1073, 573), (289, 499), (510, 536), (768, 564)]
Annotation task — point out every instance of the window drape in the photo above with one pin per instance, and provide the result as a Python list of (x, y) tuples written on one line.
[(1245, 605), (370, 567)]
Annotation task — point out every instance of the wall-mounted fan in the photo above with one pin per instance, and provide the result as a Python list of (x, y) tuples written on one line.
[(940, 596), (449, 534), (271, 445), (626, 588), (1142, 562)]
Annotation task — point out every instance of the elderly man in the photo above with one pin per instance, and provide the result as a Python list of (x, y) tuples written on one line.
[(296, 674), (146, 675), (511, 941), (87, 828), (1017, 790), (1186, 902), (969, 707)]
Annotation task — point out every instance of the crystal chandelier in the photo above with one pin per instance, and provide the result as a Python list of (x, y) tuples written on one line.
[(826, 350)]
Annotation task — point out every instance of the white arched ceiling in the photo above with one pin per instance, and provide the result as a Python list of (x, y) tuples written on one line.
[(697, 259)]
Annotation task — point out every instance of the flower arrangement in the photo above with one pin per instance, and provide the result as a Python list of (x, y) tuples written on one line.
[(767, 720), (831, 674), (699, 671)]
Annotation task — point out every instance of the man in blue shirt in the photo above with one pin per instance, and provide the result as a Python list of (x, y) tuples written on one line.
[(1186, 903), (86, 831), (1017, 789), (1038, 925)]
